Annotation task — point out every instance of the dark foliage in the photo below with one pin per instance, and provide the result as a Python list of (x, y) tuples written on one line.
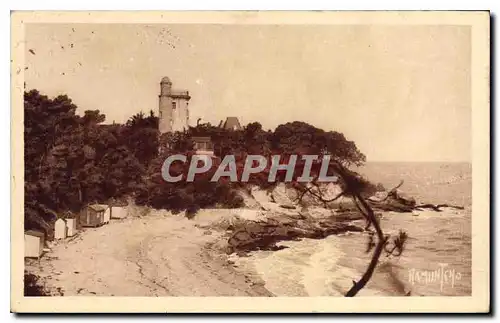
[(32, 287), (72, 160)]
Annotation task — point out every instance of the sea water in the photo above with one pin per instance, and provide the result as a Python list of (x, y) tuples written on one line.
[(436, 260)]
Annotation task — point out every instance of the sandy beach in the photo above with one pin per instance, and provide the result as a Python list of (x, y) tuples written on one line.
[(156, 255)]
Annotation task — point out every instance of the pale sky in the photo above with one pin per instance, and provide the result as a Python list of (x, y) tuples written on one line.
[(402, 93)]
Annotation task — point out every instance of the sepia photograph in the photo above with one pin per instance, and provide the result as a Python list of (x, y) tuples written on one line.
[(289, 157)]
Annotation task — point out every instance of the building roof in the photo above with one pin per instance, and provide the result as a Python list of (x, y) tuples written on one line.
[(179, 94), (118, 203), (166, 79), (35, 233), (99, 207), (232, 123)]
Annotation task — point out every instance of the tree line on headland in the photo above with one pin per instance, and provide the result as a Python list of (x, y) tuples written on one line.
[(72, 160)]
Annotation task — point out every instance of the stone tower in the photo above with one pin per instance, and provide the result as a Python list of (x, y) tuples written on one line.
[(174, 112)]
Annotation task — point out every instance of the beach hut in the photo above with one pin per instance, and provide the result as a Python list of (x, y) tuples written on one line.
[(33, 244), (93, 215), (70, 227), (107, 212), (118, 212), (60, 229)]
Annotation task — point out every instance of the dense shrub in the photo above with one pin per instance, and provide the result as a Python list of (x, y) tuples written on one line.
[(32, 287)]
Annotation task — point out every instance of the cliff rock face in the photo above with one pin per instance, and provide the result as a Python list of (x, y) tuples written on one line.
[(266, 201), (264, 234), (279, 195), (281, 217), (248, 200)]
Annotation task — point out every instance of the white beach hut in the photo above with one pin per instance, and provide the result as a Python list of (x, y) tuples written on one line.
[(70, 227), (107, 213), (60, 229), (33, 244), (118, 212)]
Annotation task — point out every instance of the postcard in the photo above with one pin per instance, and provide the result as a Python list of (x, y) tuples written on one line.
[(330, 162)]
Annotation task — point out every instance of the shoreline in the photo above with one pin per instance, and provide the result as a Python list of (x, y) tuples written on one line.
[(327, 267), (156, 253)]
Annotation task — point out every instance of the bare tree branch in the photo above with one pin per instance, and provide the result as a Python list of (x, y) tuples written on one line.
[(357, 286), (352, 189), (367, 211), (391, 191), (318, 196)]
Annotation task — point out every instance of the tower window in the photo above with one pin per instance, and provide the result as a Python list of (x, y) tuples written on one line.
[(174, 105)]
